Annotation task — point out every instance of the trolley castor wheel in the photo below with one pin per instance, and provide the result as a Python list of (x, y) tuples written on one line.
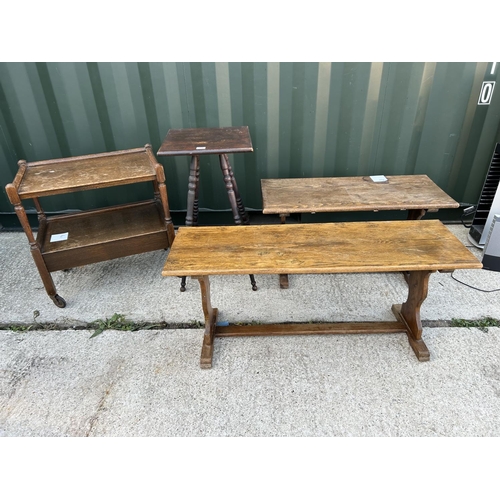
[(58, 301)]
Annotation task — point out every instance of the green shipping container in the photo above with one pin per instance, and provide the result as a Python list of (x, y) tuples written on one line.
[(306, 119)]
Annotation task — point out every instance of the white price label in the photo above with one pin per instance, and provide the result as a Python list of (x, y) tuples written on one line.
[(378, 178), (201, 147), (59, 237)]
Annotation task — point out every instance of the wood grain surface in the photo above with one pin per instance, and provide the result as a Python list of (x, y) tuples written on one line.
[(349, 247), (94, 227), (349, 194), (80, 173), (215, 141)]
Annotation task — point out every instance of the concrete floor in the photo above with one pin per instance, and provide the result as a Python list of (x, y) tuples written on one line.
[(56, 381)]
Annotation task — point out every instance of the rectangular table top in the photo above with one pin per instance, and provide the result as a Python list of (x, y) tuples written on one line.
[(352, 194), (349, 247), (204, 141)]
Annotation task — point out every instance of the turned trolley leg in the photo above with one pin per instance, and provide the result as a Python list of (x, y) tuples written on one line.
[(409, 312), (160, 190), (36, 252), (47, 280), (210, 314)]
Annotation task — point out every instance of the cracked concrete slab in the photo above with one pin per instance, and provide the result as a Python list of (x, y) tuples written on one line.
[(149, 383)]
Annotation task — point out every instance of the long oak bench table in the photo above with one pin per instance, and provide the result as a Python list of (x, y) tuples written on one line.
[(417, 194), (420, 247)]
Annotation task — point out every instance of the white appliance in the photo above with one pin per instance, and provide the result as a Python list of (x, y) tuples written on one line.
[(488, 204), (491, 252)]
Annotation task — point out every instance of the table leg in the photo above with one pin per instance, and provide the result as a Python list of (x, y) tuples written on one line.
[(415, 214), (224, 165), (210, 314), (196, 205), (283, 281), (409, 312), (192, 200), (283, 277), (239, 202), (240, 215)]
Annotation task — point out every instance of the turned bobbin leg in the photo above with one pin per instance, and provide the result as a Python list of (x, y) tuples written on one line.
[(228, 181), (239, 203), (192, 200), (239, 213)]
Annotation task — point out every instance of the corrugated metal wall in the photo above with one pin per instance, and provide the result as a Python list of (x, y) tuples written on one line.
[(305, 119)]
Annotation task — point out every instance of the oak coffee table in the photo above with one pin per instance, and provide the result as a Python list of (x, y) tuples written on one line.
[(417, 194)]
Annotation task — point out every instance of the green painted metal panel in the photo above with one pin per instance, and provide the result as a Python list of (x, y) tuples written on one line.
[(305, 118)]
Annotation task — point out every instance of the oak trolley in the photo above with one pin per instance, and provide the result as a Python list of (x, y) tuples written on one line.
[(87, 237)]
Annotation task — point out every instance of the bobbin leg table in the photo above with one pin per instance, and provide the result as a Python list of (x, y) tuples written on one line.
[(204, 141)]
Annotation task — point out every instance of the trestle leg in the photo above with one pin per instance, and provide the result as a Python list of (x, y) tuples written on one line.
[(409, 312), (210, 314)]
